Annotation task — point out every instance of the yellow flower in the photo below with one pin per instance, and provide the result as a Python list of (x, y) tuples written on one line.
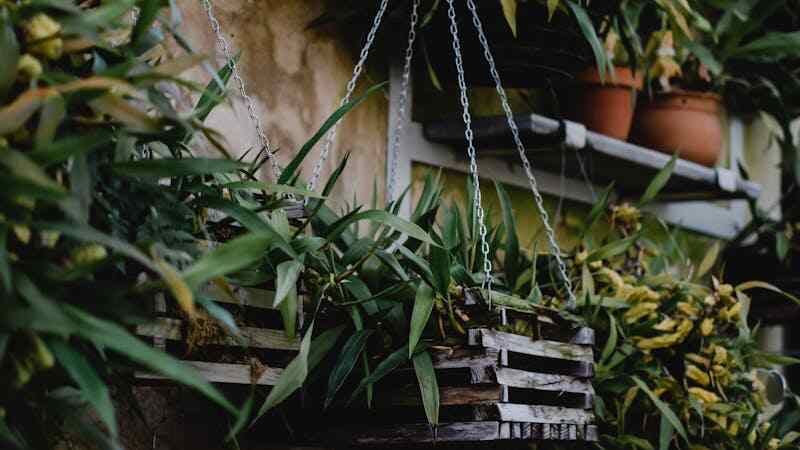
[(41, 32), (667, 340), (732, 312), (774, 443), (697, 359), (720, 354), (613, 278), (22, 232), (688, 309), (50, 238), (710, 300), (702, 395), (721, 420), (725, 290), (685, 327), (626, 214), (88, 254), (639, 311), (643, 294), (580, 257), (697, 375), (668, 324), (29, 67), (707, 327), (733, 429)]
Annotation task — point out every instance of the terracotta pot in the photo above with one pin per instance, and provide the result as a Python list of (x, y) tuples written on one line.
[(686, 122), (605, 107)]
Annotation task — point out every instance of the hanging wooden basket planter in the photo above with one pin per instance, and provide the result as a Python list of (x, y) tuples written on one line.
[(257, 358), (500, 386)]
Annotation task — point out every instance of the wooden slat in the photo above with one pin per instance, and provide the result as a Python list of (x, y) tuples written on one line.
[(464, 357), (543, 381), (253, 337), (415, 433), (522, 344), (224, 373), (510, 412), (448, 395), (579, 369)]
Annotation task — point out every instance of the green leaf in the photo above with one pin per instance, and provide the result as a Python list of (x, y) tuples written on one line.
[(92, 386), (23, 169), (511, 262), (287, 274), (423, 305), (385, 218), (440, 269), (9, 48), (782, 245), (763, 285), (662, 407), (172, 167), (5, 267), (288, 309), (214, 91), (658, 182), (148, 10), (771, 47), (589, 33), (704, 55), (63, 149), (118, 339), (50, 117), (510, 12), (708, 261), (391, 362), (227, 258), (292, 378), (665, 432), (611, 343), (323, 344), (272, 188), (289, 172), (428, 386), (347, 360), (613, 248)]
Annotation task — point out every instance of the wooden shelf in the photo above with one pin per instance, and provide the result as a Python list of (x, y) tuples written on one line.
[(604, 159)]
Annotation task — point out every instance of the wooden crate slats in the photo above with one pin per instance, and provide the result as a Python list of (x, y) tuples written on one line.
[(263, 338), (511, 412), (415, 433), (579, 369), (448, 395), (543, 381), (525, 345), (225, 373), (472, 357)]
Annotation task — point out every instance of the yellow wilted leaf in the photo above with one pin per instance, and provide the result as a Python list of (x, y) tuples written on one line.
[(510, 11), (552, 6), (177, 286), (707, 327), (708, 261)]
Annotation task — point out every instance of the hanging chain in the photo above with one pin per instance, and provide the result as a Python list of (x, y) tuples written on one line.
[(551, 238), (263, 141), (401, 110), (351, 86), (473, 165)]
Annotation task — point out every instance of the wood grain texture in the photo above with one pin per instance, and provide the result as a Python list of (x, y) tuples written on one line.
[(543, 381), (224, 373), (253, 337), (525, 345)]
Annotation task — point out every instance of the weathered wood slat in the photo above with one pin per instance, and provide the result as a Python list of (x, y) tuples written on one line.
[(522, 344), (224, 373), (542, 381), (579, 369), (464, 357), (448, 395), (510, 412), (253, 337), (415, 433)]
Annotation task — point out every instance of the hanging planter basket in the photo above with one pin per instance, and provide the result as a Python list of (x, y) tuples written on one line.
[(501, 386), (258, 357)]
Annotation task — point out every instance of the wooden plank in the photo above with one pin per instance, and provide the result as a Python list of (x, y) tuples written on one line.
[(579, 400), (253, 337), (464, 357), (523, 344), (512, 412), (224, 373), (414, 433), (448, 395), (543, 381)]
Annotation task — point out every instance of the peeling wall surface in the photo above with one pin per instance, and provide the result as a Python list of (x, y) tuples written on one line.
[(296, 77)]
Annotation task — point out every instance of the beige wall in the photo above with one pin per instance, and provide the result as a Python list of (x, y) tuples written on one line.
[(296, 77)]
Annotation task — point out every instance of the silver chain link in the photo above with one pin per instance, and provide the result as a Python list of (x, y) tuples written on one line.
[(551, 238), (263, 141), (351, 86), (473, 165), (401, 110)]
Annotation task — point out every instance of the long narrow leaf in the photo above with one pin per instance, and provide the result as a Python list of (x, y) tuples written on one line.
[(345, 363), (428, 386), (423, 305)]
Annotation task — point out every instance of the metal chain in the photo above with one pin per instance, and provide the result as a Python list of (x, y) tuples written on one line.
[(551, 238), (473, 165), (263, 141), (401, 110), (351, 86)]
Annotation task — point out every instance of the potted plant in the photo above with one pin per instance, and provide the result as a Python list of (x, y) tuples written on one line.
[(681, 116)]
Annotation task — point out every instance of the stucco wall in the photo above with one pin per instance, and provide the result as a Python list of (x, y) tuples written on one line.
[(296, 76)]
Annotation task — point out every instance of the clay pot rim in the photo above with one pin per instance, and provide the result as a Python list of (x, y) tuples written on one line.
[(704, 95), (625, 78), (702, 101)]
